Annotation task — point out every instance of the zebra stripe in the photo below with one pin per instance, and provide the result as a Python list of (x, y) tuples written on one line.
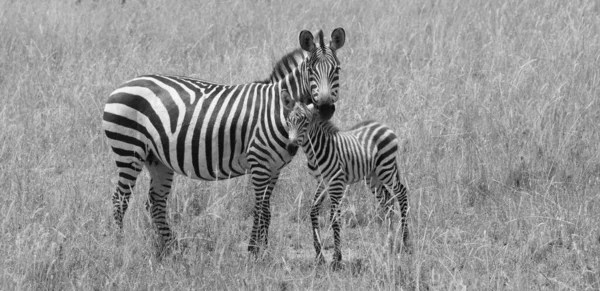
[(368, 151), (207, 131)]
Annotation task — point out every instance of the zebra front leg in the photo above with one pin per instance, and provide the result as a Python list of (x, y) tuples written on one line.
[(314, 219), (263, 183), (266, 207), (336, 191), (160, 187)]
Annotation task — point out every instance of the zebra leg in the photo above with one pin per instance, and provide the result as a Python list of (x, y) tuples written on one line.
[(386, 202), (383, 196), (336, 191), (160, 187), (128, 170), (400, 195), (266, 207), (263, 182), (314, 219)]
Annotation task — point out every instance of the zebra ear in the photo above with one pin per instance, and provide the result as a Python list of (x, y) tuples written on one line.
[(338, 38), (307, 41), (286, 100)]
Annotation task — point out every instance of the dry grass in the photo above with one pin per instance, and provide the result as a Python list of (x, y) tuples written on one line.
[(496, 102)]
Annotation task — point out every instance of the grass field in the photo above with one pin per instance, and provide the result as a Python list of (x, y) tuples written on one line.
[(496, 104)]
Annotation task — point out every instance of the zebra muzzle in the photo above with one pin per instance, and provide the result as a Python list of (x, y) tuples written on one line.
[(326, 111), (292, 148)]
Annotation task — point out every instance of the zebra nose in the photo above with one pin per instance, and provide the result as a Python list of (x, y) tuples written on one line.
[(326, 111), (292, 148)]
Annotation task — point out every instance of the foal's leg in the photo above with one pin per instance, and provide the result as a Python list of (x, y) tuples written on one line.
[(386, 202), (336, 191), (314, 220), (391, 179)]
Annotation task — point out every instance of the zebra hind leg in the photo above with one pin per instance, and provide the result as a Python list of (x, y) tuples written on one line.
[(386, 202), (384, 197), (160, 186), (400, 195), (128, 171)]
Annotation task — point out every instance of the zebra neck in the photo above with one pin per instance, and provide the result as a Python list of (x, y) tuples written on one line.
[(326, 127), (296, 83), (319, 131)]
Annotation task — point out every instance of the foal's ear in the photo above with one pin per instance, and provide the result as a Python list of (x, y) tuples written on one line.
[(286, 100)]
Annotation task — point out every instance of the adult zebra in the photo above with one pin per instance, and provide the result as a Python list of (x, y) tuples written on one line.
[(211, 132), (368, 151)]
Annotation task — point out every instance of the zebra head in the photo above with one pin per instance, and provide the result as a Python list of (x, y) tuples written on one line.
[(299, 116), (322, 68)]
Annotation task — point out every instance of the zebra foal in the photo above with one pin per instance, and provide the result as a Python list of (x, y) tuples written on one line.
[(368, 151)]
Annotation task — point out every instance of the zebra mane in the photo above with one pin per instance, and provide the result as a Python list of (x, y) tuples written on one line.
[(284, 66), (321, 39)]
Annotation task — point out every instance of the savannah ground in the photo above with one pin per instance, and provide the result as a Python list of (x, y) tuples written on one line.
[(496, 105)]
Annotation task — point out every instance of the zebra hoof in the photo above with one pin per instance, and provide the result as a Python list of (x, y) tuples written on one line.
[(253, 250), (166, 248)]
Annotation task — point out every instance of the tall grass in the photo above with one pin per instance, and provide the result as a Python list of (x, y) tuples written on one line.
[(496, 104)]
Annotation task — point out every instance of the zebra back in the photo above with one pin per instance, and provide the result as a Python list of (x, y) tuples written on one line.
[(358, 151)]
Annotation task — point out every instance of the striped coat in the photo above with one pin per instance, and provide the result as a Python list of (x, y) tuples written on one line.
[(208, 131), (366, 152)]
